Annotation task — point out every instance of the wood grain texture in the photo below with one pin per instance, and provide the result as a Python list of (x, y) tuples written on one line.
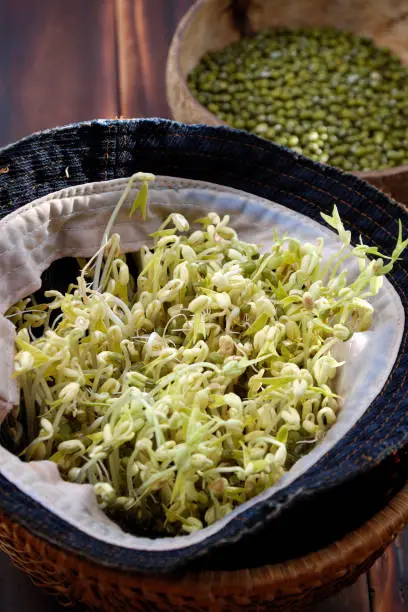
[(18, 594), (351, 599), (145, 29), (388, 578), (57, 64)]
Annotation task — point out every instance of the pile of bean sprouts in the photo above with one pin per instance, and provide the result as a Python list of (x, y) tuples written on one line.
[(188, 390)]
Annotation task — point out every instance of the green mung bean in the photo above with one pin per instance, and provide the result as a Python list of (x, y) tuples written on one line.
[(319, 82)]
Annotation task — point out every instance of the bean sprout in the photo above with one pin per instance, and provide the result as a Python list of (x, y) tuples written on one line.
[(184, 392)]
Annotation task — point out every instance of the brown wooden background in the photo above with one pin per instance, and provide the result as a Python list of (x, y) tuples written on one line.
[(71, 60)]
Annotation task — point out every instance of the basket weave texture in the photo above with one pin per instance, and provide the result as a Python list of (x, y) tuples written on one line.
[(290, 587)]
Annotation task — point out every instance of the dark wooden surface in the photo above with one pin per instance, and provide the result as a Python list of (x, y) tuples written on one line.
[(57, 64), (66, 61)]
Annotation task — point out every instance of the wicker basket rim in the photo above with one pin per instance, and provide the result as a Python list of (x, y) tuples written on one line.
[(324, 566)]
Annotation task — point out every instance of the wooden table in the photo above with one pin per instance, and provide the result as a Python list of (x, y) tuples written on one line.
[(66, 61)]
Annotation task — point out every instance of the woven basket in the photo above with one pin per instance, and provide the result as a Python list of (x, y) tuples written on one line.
[(368, 468), (209, 25), (291, 586)]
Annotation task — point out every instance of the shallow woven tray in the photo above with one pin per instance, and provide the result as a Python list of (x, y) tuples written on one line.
[(209, 25), (291, 586)]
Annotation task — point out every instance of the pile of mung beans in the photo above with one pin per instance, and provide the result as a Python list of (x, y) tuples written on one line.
[(327, 94)]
